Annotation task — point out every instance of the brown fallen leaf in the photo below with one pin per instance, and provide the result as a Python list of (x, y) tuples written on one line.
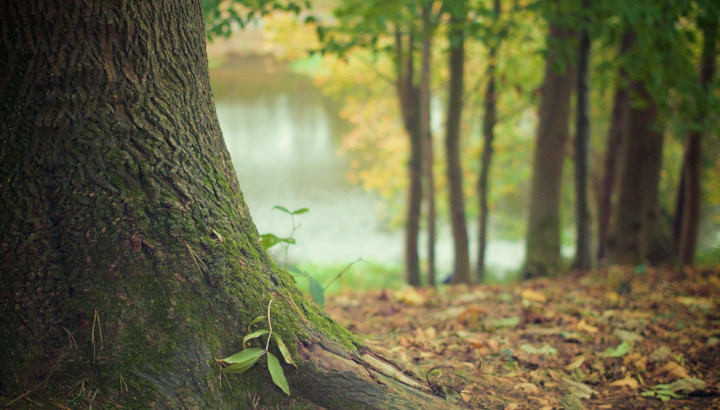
[(674, 370)]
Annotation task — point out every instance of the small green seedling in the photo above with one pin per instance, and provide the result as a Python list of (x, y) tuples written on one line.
[(269, 240), (246, 358)]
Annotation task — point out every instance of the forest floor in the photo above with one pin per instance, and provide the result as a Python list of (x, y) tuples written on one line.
[(615, 338)]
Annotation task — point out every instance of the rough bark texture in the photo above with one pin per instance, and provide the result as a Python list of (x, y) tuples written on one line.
[(615, 137), (543, 236), (408, 94), (692, 197), (636, 215), (426, 135), (583, 253), (452, 144), (489, 120), (129, 259)]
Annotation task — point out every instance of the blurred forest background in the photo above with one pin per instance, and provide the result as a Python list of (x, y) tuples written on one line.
[(472, 141)]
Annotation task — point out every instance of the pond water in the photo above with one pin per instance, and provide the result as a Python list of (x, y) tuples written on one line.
[(283, 136)]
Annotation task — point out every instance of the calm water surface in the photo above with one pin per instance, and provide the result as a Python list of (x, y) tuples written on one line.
[(283, 136)]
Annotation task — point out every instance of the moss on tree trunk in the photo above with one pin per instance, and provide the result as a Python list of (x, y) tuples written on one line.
[(129, 259)]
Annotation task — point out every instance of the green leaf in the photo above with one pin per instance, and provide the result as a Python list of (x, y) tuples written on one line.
[(243, 360), (255, 334), (620, 351), (268, 240), (316, 291), (544, 350), (284, 350), (282, 208), (277, 374), (256, 321), (300, 211)]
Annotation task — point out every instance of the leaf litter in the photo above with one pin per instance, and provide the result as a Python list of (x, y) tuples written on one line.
[(614, 338)]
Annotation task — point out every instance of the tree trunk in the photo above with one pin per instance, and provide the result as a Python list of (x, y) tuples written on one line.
[(637, 192), (692, 198), (489, 120), (426, 135), (408, 94), (583, 258), (129, 259), (543, 235), (452, 143), (618, 126)]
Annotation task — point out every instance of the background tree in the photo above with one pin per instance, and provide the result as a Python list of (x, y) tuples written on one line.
[(457, 12), (130, 261), (690, 191), (426, 135), (583, 255), (543, 232), (489, 121)]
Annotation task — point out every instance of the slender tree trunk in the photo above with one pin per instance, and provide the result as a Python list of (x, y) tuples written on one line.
[(614, 142), (693, 149), (452, 144), (408, 95), (129, 259), (583, 253), (426, 135), (543, 236), (489, 120)]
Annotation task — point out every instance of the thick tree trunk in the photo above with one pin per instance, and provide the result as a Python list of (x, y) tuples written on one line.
[(614, 141), (692, 198), (637, 207), (129, 259), (426, 135), (408, 94), (489, 120), (583, 253), (452, 144), (543, 235)]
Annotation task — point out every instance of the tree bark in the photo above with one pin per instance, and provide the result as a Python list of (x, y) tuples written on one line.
[(543, 235), (489, 121), (426, 135), (583, 255), (637, 207), (692, 170), (614, 142), (408, 94), (452, 143), (129, 258)]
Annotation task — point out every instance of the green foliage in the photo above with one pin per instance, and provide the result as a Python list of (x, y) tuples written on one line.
[(246, 358), (222, 15)]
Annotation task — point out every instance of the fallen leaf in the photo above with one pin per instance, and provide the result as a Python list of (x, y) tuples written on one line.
[(578, 389), (527, 387), (532, 295), (675, 370), (582, 325), (627, 381), (575, 363), (410, 297), (660, 354)]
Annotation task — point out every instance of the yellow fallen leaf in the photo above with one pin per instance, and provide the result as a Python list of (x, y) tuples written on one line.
[(627, 381), (675, 370), (527, 387), (512, 406), (410, 296), (582, 325), (534, 296), (575, 363), (466, 396)]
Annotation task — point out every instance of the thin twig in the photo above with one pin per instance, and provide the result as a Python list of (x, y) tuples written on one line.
[(267, 345)]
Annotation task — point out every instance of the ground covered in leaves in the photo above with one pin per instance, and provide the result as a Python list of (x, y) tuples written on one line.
[(615, 338)]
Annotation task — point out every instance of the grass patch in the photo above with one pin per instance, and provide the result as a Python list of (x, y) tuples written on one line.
[(362, 275)]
